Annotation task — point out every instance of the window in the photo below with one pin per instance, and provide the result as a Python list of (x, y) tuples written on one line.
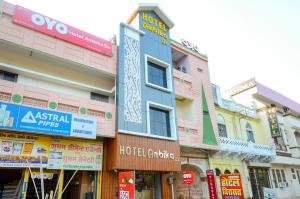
[(279, 178), (250, 134), (158, 74), (161, 120), (218, 172), (298, 175), (293, 173), (12, 77), (221, 126), (274, 178), (227, 171), (99, 97)]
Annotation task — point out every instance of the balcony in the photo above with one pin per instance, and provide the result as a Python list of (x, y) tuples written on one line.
[(188, 133), (183, 84), (41, 98), (247, 150)]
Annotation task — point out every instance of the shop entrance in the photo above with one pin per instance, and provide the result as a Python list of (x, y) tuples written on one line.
[(50, 181), (10, 183), (147, 185), (193, 190), (259, 178)]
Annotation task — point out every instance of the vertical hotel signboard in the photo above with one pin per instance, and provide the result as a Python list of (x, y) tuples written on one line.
[(231, 186), (211, 184), (38, 22), (273, 122)]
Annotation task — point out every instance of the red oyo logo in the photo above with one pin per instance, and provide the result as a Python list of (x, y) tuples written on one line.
[(188, 177)]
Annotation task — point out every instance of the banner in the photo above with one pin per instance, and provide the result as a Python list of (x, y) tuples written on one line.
[(126, 185), (57, 29), (23, 118), (231, 186), (75, 155), (17, 149), (211, 184)]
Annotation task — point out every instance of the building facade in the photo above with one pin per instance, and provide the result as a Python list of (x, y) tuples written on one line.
[(246, 147), (57, 103), (280, 118)]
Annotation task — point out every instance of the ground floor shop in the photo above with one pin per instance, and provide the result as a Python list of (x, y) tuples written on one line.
[(138, 167), (224, 167), (191, 181), (285, 180), (32, 164)]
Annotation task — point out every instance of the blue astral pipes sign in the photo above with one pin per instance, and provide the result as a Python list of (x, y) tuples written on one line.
[(22, 118)]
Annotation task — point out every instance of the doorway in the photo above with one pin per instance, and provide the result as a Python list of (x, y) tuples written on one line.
[(259, 178), (193, 190), (11, 181)]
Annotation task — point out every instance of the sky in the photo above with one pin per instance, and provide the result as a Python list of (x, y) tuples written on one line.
[(242, 38)]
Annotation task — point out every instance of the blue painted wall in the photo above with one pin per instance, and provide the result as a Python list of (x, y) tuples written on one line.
[(150, 43)]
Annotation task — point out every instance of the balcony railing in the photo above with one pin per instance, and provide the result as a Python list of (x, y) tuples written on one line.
[(247, 150), (183, 84)]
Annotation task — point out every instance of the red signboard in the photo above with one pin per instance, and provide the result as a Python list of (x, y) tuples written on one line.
[(126, 185), (231, 186), (188, 177), (211, 184), (57, 29)]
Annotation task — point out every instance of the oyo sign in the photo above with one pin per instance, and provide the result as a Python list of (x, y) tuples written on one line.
[(59, 30), (190, 45), (188, 177), (41, 20)]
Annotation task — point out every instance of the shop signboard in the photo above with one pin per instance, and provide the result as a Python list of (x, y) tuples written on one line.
[(46, 25), (23, 150), (211, 184), (22, 118), (188, 177), (75, 155), (231, 186), (126, 185)]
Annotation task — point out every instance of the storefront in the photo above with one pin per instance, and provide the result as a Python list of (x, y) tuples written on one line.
[(33, 164), (151, 162)]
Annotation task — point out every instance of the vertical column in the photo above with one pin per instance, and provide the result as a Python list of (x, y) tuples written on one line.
[(25, 183), (61, 184)]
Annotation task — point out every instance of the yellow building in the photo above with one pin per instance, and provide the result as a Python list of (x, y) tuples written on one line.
[(245, 149)]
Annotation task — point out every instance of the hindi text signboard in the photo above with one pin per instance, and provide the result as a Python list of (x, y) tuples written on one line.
[(231, 186)]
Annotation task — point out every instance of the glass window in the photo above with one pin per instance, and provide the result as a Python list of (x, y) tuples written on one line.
[(221, 126), (159, 122), (99, 97), (157, 75), (274, 178), (12, 77), (250, 134)]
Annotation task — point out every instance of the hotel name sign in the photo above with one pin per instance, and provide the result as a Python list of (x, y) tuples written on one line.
[(143, 152)]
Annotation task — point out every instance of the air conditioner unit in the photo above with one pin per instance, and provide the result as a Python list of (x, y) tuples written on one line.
[(183, 69), (283, 184)]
